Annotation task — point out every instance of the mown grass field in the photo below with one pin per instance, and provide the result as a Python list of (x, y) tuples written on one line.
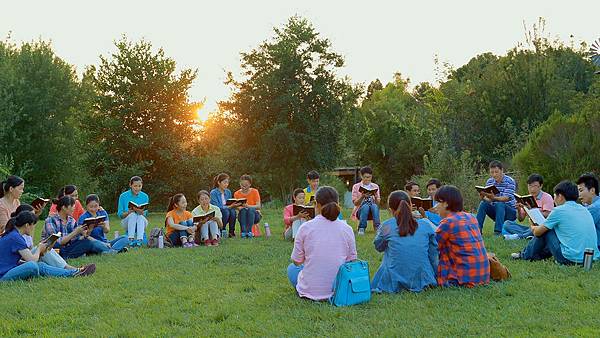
[(240, 289)]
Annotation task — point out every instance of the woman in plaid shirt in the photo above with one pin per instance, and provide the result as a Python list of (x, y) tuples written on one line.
[(463, 259)]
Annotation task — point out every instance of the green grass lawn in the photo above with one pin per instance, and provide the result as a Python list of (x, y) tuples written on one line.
[(240, 288)]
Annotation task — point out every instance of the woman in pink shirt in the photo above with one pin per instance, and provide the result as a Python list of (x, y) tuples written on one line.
[(321, 246), (293, 223)]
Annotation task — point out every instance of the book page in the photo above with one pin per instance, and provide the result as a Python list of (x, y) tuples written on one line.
[(536, 216)]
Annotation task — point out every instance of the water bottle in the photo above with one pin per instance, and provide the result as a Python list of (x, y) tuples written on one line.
[(588, 258), (161, 242), (224, 233), (116, 234), (267, 230)]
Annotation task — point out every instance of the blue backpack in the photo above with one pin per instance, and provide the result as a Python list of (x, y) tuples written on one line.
[(352, 284)]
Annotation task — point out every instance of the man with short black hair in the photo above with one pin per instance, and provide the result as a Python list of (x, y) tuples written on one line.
[(499, 207), (588, 194), (567, 232), (312, 178)]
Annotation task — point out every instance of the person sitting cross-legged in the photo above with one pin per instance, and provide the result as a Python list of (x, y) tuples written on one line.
[(500, 207), (565, 234), (514, 230)]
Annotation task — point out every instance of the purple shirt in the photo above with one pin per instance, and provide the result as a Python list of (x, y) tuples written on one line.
[(323, 246)]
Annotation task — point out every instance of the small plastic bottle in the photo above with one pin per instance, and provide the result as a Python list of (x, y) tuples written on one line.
[(161, 242), (267, 230), (223, 233)]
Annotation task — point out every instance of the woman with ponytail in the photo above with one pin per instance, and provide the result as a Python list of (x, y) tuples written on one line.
[(13, 249), (68, 190), (321, 246), (410, 249), (219, 196), (11, 190)]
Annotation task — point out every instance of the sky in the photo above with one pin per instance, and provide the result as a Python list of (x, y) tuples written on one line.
[(377, 38)]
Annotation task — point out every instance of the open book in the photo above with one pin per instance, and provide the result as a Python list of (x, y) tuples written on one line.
[(51, 240), (425, 203), (309, 209), (527, 200), (490, 189), (142, 206), (536, 215), (204, 218), (39, 202), (367, 191), (231, 201), (91, 222)]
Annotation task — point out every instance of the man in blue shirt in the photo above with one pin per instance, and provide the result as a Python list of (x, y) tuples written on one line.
[(588, 194), (567, 232), (501, 207)]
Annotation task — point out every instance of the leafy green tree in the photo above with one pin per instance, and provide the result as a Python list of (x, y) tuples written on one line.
[(289, 106), (142, 122)]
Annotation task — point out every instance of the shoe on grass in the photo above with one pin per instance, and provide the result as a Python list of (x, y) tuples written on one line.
[(511, 237), (361, 232), (243, 235), (207, 242), (516, 255), (249, 235), (215, 242), (85, 270)]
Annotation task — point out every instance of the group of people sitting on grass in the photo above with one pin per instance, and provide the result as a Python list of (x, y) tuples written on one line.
[(442, 246)]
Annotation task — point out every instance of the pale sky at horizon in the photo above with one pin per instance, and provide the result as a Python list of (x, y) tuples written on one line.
[(377, 38)]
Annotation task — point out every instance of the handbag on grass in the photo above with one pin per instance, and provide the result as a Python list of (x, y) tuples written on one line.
[(256, 230), (498, 271), (352, 284)]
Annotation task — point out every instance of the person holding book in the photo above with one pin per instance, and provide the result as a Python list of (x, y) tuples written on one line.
[(100, 228), (366, 197), (219, 196), (74, 241), (179, 222), (410, 249), (249, 212), (499, 207), (13, 249), (133, 219), (11, 190), (312, 178), (463, 260), (565, 234), (69, 190), (588, 194), (433, 185), (293, 222), (210, 219), (414, 191), (50, 257), (321, 246), (543, 200)]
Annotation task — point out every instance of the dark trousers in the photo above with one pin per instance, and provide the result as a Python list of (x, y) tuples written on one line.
[(543, 247)]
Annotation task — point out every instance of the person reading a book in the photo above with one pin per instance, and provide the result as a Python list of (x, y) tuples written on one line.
[(219, 196), (543, 200), (249, 212), (50, 257), (588, 194), (69, 190), (414, 190), (501, 206), (133, 219), (463, 260), (565, 234), (11, 190), (99, 225), (410, 249), (14, 249), (209, 218), (433, 185), (74, 241), (179, 222), (293, 222), (321, 246), (366, 198), (312, 178)]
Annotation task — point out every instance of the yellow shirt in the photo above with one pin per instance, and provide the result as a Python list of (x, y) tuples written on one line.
[(308, 195)]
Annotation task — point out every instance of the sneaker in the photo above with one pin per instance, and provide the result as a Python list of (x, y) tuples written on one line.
[(516, 255), (195, 245), (85, 270), (138, 243), (215, 242), (125, 249), (529, 238), (249, 235), (361, 232), (207, 242), (243, 235), (511, 237), (131, 242), (188, 245)]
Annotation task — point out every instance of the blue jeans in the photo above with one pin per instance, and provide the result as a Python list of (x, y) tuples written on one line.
[(119, 243), (543, 247), (498, 211), (293, 271), (35, 269), (363, 215), (512, 227), (77, 248), (248, 217), (229, 216)]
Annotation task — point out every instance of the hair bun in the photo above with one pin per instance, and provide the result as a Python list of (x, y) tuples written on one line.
[(331, 211)]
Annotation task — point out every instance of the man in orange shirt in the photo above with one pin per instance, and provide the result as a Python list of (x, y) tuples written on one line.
[(249, 212)]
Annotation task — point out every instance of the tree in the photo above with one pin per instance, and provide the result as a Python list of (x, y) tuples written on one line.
[(289, 106), (142, 121), (373, 87)]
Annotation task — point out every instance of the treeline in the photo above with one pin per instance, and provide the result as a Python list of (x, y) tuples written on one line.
[(537, 109)]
